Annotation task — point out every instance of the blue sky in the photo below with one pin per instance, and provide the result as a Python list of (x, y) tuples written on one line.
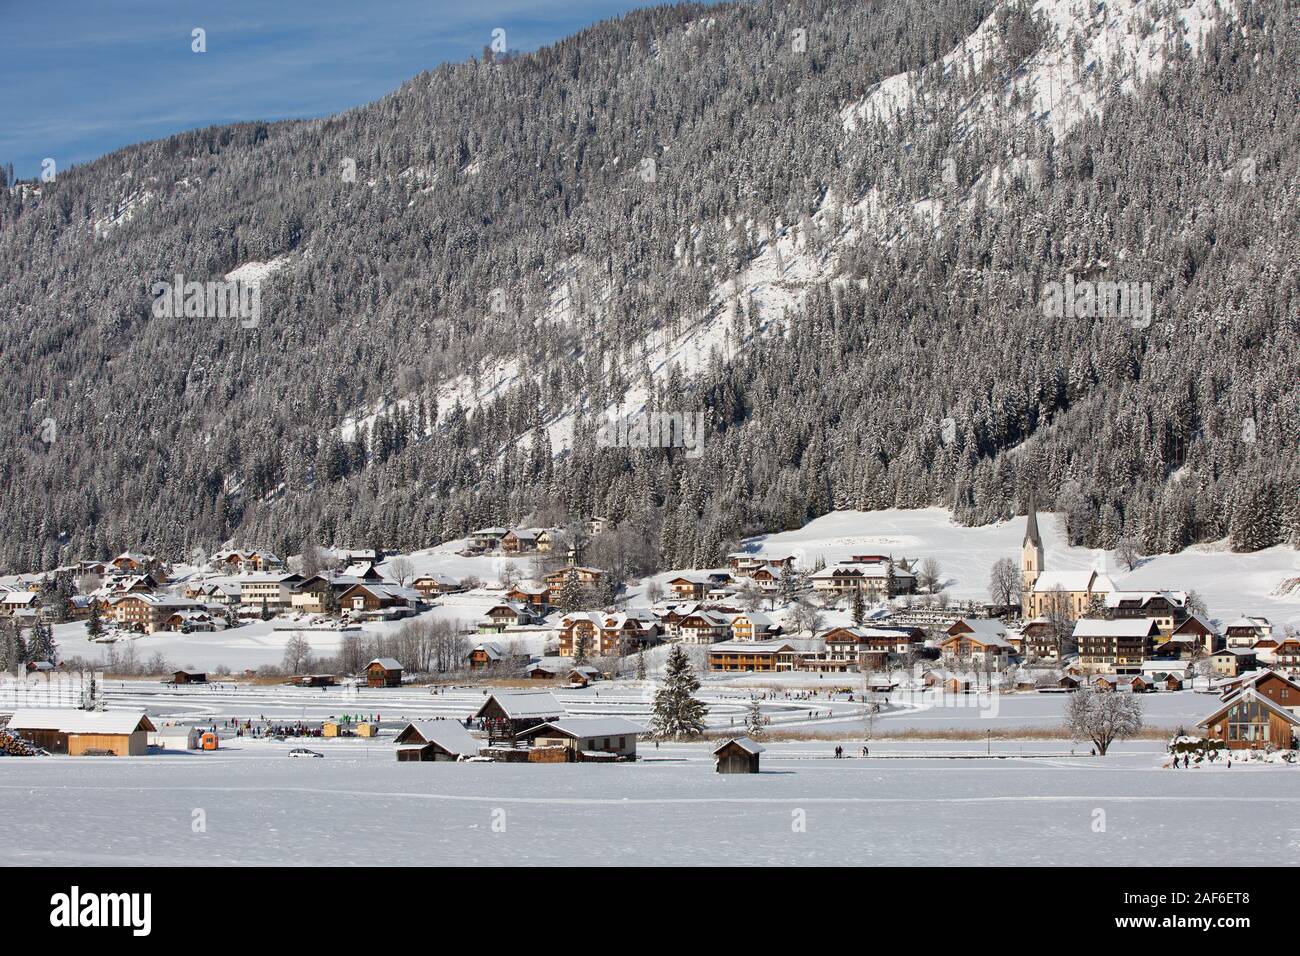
[(84, 77)]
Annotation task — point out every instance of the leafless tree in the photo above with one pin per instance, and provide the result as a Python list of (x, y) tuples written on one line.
[(1126, 551), (1005, 582), (929, 576), (297, 654), (1102, 717), (400, 569)]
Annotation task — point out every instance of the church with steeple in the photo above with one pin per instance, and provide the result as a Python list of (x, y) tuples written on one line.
[(1031, 557), (1068, 593)]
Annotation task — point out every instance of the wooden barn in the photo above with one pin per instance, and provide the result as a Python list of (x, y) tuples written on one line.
[(737, 755), (384, 672), (583, 737), (189, 677), (429, 740), (507, 714), (313, 680), (121, 733)]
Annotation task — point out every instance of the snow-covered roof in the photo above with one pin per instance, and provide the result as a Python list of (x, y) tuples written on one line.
[(751, 647), (450, 735), (1117, 598), (583, 727), (387, 663), (1248, 693), (744, 743), (68, 721), (1073, 581), (1122, 627), (519, 704)]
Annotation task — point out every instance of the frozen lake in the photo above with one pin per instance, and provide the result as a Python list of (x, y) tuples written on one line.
[(359, 806)]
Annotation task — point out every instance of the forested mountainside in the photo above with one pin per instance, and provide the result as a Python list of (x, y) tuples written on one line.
[(828, 224)]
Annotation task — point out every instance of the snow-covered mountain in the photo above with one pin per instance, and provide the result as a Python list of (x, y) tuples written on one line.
[(827, 224)]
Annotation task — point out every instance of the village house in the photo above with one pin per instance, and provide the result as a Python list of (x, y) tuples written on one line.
[(1167, 608), (190, 620), (1232, 661), (320, 593), (868, 648), (225, 593), (753, 626), (487, 539), (587, 577), (1200, 630), (1286, 655), (491, 656), (1248, 720), (246, 562), (273, 591), (1247, 631), (1176, 648), (1117, 647), (876, 581), (584, 737), (435, 740), (704, 627), (501, 617), (132, 562), (536, 597), (1042, 640), (756, 656), (607, 635), (434, 583), (982, 641), (134, 584), (147, 613), (384, 672), (742, 562), (376, 599), (14, 601), (689, 587), (1277, 687)]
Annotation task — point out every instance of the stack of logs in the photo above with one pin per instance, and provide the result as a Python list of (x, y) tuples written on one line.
[(11, 745)]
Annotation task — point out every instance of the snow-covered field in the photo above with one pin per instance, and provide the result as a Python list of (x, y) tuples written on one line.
[(807, 711), (255, 806)]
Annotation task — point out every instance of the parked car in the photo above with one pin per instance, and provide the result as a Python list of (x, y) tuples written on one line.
[(304, 752)]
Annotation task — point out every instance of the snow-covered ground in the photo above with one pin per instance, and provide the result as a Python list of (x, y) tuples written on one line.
[(814, 710), (249, 804)]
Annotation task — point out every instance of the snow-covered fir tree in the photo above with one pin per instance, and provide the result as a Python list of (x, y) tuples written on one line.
[(677, 714)]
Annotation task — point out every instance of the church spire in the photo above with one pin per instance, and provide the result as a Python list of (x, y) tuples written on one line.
[(1031, 524)]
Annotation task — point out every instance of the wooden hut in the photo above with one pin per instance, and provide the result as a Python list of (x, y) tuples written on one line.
[(189, 677), (737, 755), (384, 672), (83, 732), (506, 714), (588, 737), (431, 740)]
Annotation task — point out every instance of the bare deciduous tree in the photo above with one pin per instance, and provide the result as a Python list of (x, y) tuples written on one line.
[(1103, 716)]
